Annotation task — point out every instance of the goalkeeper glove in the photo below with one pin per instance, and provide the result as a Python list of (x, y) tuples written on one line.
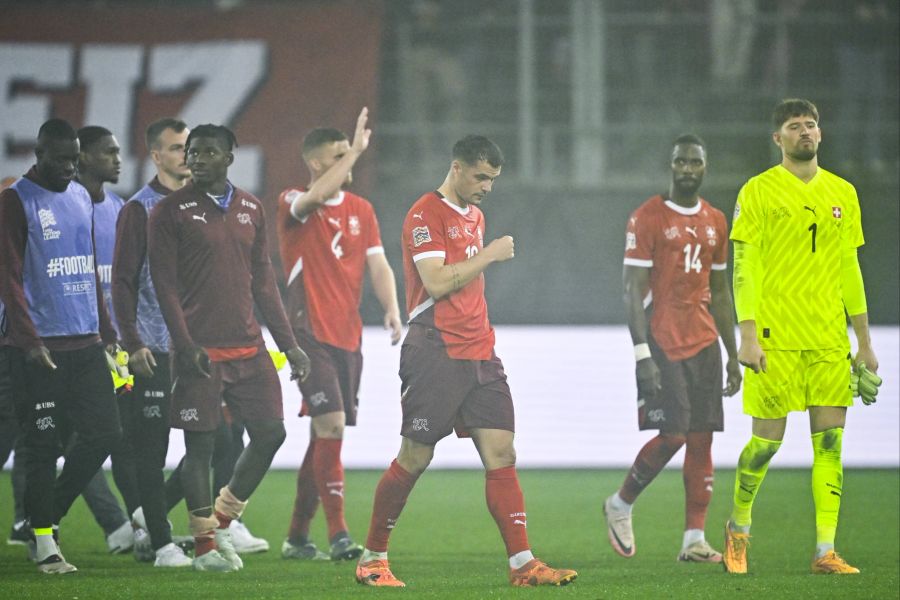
[(278, 358), (864, 383)]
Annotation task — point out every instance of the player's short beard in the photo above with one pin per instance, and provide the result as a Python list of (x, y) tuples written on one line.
[(801, 155)]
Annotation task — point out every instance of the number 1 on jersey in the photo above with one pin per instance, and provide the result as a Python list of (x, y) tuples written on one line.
[(692, 258), (813, 228)]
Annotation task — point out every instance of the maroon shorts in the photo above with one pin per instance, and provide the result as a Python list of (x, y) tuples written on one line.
[(249, 388), (691, 394), (438, 393), (333, 382)]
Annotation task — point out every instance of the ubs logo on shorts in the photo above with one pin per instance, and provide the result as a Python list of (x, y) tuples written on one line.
[(189, 414), (420, 425), (318, 399), (152, 412), (45, 423)]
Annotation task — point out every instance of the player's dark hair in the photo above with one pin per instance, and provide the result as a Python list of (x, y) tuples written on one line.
[(57, 129), (793, 107), (91, 134), (220, 132), (473, 148), (689, 139), (155, 129), (320, 136)]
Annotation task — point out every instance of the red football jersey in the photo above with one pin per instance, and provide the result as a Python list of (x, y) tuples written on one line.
[(436, 228), (324, 260), (680, 246)]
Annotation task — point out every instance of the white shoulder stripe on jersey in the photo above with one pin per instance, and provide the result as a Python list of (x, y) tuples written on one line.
[(375, 250), (648, 298), (421, 308), (638, 262), (719, 266), (298, 267), (430, 254)]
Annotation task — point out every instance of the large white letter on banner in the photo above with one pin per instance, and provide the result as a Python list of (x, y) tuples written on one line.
[(228, 74), (47, 66)]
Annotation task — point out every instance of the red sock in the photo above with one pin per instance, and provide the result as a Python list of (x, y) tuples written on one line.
[(330, 483), (507, 506), (203, 544), (390, 498), (307, 500), (224, 521), (655, 455), (698, 478)]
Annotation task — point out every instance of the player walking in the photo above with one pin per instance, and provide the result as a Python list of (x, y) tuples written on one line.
[(796, 231), (450, 375), (209, 263), (676, 252), (328, 237)]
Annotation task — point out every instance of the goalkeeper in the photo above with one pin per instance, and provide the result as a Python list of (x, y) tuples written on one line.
[(796, 231)]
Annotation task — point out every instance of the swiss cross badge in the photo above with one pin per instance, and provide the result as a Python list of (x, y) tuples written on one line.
[(836, 212)]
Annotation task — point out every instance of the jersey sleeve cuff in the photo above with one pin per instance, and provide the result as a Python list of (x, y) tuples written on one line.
[(430, 254), (719, 266), (375, 250), (638, 262)]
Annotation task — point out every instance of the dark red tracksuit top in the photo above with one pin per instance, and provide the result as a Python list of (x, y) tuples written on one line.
[(208, 266)]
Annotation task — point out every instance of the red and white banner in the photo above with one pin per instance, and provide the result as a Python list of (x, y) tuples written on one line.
[(269, 72)]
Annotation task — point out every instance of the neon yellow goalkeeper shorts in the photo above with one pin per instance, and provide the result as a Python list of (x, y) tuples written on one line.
[(796, 380)]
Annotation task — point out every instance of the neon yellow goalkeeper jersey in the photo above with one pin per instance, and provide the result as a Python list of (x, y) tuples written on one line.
[(801, 229)]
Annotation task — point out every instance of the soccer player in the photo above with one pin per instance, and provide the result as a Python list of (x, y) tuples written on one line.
[(209, 264), (796, 231), (57, 318), (676, 252), (450, 375), (99, 163), (328, 238), (144, 336)]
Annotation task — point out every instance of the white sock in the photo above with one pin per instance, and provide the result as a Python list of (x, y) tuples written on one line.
[(368, 555), (616, 503), (520, 559), (692, 536), (46, 546), (822, 549)]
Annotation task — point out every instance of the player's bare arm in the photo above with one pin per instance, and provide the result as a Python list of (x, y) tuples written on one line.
[(442, 280), (385, 289), (722, 309), (636, 281), (864, 353), (329, 183)]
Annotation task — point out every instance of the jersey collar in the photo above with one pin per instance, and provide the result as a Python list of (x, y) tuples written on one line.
[(681, 210), (336, 201), (462, 211)]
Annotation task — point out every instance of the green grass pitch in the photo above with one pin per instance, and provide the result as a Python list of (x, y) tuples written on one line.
[(446, 545)]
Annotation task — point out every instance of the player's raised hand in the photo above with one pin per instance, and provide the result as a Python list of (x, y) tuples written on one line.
[(733, 377), (751, 354), (648, 379), (361, 134), (300, 365), (501, 249)]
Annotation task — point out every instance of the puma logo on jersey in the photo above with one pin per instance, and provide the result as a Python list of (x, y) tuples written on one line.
[(200, 217), (335, 222), (812, 210), (691, 230), (418, 215)]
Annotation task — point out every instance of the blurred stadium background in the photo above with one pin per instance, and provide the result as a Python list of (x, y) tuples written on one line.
[(584, 96)]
